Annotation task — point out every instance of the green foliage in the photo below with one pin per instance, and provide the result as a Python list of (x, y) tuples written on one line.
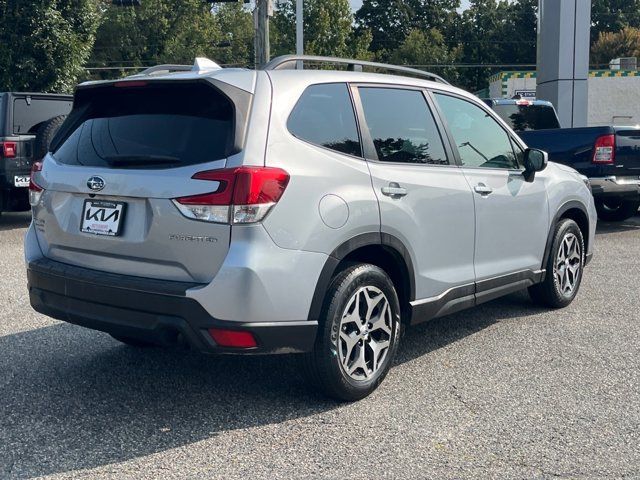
[(390, 21), (237, 30), (160, 31), (427, 48), (613, 16), (44, 44), (625, 43), (328, 28)]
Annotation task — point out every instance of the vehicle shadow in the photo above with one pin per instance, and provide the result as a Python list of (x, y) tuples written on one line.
[(75, 399), (12, 221), (632, 223)]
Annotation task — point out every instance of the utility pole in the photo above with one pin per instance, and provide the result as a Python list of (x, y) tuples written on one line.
[(261, 14), (299, 27)]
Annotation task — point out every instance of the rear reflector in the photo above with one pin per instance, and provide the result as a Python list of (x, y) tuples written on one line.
[(9, 149), (243, 195), (233, 338), (604, 151)]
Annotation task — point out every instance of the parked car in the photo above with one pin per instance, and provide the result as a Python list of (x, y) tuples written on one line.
[(295, 211), (608, 156), (28, 122)]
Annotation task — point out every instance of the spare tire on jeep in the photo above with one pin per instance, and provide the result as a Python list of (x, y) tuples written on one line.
[(44, 135)]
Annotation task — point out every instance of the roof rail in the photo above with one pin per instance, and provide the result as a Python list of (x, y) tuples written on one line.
[(353, 65)]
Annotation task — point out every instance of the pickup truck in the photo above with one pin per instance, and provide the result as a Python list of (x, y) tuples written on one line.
[(608, 156), (28, 122)]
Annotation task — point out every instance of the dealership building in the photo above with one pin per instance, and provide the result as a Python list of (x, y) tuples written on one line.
[(614, 95)]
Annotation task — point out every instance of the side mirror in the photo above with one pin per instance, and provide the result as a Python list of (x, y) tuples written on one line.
[(534, 161)]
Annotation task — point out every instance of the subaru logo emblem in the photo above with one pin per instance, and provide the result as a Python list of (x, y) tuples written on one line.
[(95, 183)]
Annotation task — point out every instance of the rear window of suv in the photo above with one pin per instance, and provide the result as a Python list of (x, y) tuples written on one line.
[(152, 126), (324, 116)]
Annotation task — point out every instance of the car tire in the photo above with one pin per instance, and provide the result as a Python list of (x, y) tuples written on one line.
[(132, 342), (564, 267), (616, 209), (358, 334), (45, 134)]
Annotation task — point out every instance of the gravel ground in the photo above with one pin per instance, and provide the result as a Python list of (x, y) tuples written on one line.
[(503, 391)]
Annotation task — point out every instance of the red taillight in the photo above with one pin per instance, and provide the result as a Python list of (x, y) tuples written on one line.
[(604, 151), (9, 149), (130, 83), (35, 190), (248, 192), (233, 338)]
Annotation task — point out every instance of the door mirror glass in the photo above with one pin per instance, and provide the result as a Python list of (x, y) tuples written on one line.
[(535, 160)]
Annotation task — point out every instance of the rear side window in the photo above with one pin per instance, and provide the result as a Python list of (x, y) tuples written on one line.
[(28, 115), (324, 116), (155, 126), (402, 126)]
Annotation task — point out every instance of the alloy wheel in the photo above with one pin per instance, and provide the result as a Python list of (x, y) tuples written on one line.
[(568, 264), (365, 333)]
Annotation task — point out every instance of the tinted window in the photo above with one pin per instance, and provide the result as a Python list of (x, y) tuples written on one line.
[(523, 118), (481, 141), (153, 126), (402, 126), (324, 116), (28, 115)]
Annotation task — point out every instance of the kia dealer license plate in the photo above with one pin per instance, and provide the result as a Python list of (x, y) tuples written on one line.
[(102, 217), (21, 181)]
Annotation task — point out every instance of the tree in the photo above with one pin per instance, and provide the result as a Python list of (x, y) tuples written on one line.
[(519, 32), (159, 31), (425, 48), (328, 28), (613, 16), (390, 21), (44, 44), (625, 43), (479, 31), (236, 27)]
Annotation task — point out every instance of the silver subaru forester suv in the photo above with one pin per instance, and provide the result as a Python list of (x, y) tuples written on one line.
[(295, 210)]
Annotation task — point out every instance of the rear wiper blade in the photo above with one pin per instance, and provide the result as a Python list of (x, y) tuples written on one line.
[(130, 160)]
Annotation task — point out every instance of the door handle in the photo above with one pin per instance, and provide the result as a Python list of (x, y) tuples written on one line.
[(394, 190), (483, 190)]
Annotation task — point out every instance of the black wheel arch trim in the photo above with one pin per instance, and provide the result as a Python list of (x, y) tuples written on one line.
[(348, 247), (570, 205)]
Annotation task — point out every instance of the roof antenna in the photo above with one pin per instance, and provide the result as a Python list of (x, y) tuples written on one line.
[(202, 64)]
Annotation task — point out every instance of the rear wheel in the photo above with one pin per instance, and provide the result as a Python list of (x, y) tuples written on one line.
[(132, 342), (564, 267), (358, 334), (616, 209)]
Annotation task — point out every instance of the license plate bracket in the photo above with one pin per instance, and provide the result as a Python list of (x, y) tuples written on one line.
[(21, 181), (102, 217)]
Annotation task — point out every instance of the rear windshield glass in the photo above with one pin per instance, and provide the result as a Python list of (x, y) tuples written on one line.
[(153, 126), (523, 118), (29, 113)]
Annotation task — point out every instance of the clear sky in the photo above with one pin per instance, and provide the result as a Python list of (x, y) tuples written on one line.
[(356, 4)]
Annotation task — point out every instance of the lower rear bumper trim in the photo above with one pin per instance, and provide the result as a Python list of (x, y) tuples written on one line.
[(151, 310)]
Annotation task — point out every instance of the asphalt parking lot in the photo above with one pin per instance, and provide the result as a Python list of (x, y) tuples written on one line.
[(503, 391)]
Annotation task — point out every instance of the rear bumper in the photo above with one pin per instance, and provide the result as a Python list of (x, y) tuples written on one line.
[(616, 187), (147, 309)]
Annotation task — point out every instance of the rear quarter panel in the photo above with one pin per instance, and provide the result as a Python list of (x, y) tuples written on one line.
[(321, 180)]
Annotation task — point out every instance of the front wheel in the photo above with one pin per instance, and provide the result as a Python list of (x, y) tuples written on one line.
[(564, 267), (358, 334), (616, 209)]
